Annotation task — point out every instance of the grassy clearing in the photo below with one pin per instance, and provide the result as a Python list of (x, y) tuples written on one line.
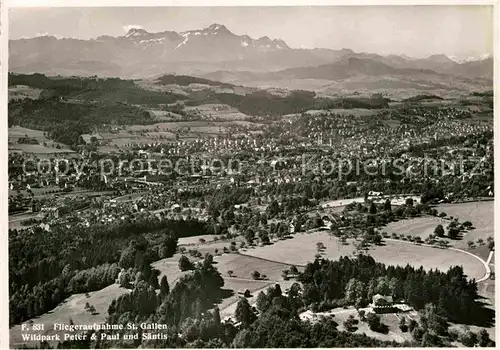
[(302, 249), (15, 220), (16, 132), (187, 130), (421, 226), (298, 250), (481, 214), (38, 149), (130, 197), (391, 320), (170, 267), (243, 266), (226, 113), (395, 200), (195, 240), (228, 306), (22, 92), (73, 308)]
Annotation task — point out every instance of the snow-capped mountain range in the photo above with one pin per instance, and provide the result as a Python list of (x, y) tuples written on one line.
[(140, 53), (215, 32), (470, 58)]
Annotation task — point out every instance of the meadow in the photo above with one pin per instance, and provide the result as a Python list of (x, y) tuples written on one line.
[(302, 248), (480, 213), (45, 145)]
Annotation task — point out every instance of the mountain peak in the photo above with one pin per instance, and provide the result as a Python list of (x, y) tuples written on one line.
[(136, 32), (439, 58), (216, 28)]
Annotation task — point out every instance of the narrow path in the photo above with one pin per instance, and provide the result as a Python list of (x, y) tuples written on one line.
[(490, 257), (269, 260), (250, 279), (486, 265)]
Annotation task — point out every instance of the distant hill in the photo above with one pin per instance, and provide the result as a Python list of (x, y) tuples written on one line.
[(346, 68), (352, 74)]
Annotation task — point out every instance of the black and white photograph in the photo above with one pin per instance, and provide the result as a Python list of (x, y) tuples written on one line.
[(250, 176)]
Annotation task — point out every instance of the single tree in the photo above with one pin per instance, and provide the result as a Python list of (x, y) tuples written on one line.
[(185, 264), (256, 275), (402, 325), (249, 236), (484, 338), (413, 324), (439, 230), (387, 205), (244, 313), (164, 287), (491, 244), (263, 302), (453, 232), (469, 339)]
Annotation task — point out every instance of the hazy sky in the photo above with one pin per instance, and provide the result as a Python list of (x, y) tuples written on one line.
[(417, 31)]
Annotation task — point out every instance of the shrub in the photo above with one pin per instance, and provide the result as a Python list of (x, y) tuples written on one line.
[(256, 275), (185, 264)]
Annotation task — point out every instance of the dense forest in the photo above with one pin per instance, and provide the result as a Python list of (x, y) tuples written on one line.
[(46, 266), (358, 280), (262, 103), (65, 122), (79, 89), (186, 80)]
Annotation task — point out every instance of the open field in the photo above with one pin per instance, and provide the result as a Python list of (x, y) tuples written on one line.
[(37, 149), (357, 112), (162, 131), (22, 92), (15, 220), (219, 111), (130, 197), (395, 200), (479, 213), (195, 240), (73, 308), (421, 226), (170, 267), (302, 249), (391, 320), (45, 145), (227, 306), (243, 266)]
